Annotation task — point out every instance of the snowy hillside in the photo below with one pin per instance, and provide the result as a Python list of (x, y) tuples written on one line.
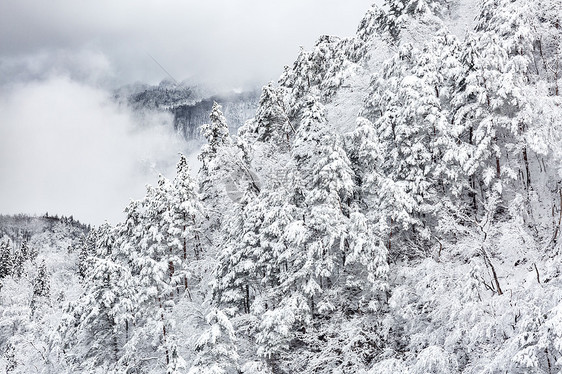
[(190, 105), (39, 265), (394, 206)]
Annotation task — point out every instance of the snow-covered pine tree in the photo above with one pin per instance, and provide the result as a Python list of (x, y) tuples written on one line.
[(185, 216), (25, 250), (412, 129), (271, 123), (154, 267), (87, 248), (225, 176), (6, 259), (41, 283), (491, 109), (399, 11), (96, 326), (217, 136), (287, 262), (311, 131), (216, 347), (254, 259), (20, 256), (297, 81)]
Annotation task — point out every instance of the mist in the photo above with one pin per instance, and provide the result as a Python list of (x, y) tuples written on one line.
[(68, 149)]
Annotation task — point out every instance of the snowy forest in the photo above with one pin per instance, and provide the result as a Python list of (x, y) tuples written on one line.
[(394, 206)]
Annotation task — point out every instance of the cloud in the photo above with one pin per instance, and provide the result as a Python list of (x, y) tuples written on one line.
[(66, 148), (84, 65), (227, 42)]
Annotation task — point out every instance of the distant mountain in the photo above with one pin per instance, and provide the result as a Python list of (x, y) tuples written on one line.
[(40, 231), (190, 104)]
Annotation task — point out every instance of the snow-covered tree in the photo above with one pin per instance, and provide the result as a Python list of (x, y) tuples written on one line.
[(271, 123), (216, 347), (408, 137), (185, 216), (41, 283), (96, 326), (6, 260), (216, 134)]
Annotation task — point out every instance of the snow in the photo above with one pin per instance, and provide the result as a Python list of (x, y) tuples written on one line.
[(394, 206)]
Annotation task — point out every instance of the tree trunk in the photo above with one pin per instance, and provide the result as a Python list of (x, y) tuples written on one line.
[(557, 229), (164, 336), (472, 194), (390, 235), (557, 63), (248, 299), (493, 269), (528, 172)]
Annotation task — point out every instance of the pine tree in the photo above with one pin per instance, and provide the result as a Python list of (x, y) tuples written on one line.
[(271, 123), (213, 173), (225, 176), (155, 265), (216, 346), (6, 259), (255, 256), (490, 105), (310, 133), (18, 259), (101, 318), (86, 249), (399, 11), (182, 224), (297, 80), (10, 358), (25, 251), (216, 134), (409, 125), (41, 283)]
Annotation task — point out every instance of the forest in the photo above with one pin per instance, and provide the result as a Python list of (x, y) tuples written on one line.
[(394, 206)]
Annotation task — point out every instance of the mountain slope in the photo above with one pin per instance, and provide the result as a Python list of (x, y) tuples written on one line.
[(393, 207), (190, 105)]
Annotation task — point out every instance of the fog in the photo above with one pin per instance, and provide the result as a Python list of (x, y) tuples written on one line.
[(68, 149)]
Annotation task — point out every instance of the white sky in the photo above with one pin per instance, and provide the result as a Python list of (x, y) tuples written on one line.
[(65, 147), (227, 42)]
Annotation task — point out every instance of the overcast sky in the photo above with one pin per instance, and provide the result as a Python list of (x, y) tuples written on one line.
[(228, 42), (65, 147)]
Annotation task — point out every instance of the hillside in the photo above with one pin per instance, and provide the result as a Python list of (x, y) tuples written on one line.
[(394, 206), (189, 105), (39, 266)]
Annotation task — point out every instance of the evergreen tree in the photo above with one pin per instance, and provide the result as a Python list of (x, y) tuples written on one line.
[(216, 134), (18, 259), (213, 173), (186, 211), (216, 346), (6, 259), (86, 250), (42, 283), (271, 123), (25, 251), (10, 358), (101, 318), (491, 108), (411, 139)]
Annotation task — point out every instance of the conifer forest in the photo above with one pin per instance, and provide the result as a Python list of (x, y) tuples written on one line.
[(393, 206)]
